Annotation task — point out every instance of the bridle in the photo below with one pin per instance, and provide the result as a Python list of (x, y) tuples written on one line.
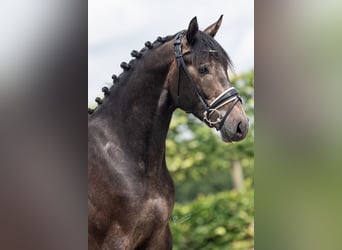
[(211, 110)]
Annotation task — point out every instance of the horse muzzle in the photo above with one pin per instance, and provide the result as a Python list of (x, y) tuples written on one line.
[(235, 127)]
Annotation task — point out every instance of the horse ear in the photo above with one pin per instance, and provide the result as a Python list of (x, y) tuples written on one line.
[(212, 29), (192, 30)]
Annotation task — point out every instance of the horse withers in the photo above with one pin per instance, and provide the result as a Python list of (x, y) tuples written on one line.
[(130, 191)]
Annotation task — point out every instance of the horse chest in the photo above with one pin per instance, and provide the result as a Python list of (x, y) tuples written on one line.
[(157, 208)]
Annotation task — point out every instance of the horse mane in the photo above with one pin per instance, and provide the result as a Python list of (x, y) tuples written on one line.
[(121, 79), (204, 46)]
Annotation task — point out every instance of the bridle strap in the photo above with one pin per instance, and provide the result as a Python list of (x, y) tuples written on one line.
[(225, 97), (181, 65), (238, 99)]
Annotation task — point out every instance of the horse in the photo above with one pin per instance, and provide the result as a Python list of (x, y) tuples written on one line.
[(130, 191)]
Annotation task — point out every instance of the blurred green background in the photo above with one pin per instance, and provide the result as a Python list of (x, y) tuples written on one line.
[(214, 181)]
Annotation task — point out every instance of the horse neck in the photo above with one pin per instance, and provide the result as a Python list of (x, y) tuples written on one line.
[(139, 109)]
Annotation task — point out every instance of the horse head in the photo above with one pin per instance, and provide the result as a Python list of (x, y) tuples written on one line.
[(199, 82)]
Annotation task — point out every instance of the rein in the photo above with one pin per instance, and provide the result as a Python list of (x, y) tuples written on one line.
[(229, 95)]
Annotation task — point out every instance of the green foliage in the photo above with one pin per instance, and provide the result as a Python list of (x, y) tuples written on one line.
[(205, 216), (221, 221)]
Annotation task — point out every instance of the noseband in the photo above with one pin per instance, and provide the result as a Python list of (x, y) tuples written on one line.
[(211, 110)]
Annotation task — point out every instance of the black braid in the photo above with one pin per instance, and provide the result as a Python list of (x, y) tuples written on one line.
[(126, 66)]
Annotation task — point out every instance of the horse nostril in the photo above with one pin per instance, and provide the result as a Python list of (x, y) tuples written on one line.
[(239, 129)]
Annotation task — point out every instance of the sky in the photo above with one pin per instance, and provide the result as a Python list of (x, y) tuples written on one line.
[(116, 27)]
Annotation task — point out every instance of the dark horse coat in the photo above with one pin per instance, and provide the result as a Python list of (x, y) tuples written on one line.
[(130, 191)]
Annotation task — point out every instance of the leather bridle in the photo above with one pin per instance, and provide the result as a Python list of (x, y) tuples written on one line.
[(211, 110)]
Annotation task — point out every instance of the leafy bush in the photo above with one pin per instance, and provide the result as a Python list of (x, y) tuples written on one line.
[(200, 165), (219, 221)]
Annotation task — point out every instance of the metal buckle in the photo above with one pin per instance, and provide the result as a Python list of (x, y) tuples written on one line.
[(208, 113)]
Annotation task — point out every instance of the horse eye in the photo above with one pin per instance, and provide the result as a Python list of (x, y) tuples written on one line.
[(203, 70)]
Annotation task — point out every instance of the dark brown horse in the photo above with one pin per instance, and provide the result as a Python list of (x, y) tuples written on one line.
[(130, 191)]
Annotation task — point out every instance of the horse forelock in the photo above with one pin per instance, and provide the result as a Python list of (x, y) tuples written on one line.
[(205, 47)]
